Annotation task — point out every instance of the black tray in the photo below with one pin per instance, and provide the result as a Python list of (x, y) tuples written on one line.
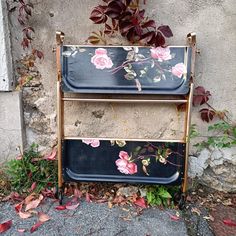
[(125, 70), (138, 161)]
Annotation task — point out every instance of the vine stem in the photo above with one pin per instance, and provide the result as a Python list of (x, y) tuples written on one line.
[(171, 152), (128, 62), (143, 156)]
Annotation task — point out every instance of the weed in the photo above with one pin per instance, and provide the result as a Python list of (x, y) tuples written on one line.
[(30, 169), (161, 195)]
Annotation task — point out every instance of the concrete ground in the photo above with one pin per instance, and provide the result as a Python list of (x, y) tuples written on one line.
[(97, 219)]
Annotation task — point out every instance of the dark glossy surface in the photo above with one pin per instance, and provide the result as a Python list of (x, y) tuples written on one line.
[(140, 73), (82, 162)]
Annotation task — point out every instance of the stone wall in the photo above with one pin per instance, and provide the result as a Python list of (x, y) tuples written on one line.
[(214, 22)]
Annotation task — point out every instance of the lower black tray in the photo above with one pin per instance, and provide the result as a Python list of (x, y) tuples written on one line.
[(119, 161)]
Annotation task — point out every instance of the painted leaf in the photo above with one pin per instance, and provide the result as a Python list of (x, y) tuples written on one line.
[(141, 202), (5, 226), (43, 217), (36, 226), (229, 222)]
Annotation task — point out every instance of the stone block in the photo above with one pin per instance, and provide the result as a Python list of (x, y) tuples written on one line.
[(11, 125)]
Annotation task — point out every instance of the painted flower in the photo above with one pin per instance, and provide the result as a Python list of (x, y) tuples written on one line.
[(124, 165), (179, 69), (92, 142), (160, 53), (101, 60), (162, 160)]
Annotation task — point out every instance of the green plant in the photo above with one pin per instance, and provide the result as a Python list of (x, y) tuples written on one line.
[(161, 195), (223, 136), (30, 171), (222, 133)]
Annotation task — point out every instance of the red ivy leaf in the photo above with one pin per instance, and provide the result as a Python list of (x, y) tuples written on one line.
[(25, 43), (229, 222), (36, 226), (200, 96), (22, 2), (141, 202), (207, 114), (18, 207), (60, 208), (150, 23), (20, 20), (165, 30), (159, 40), (5, 226), (147, 38), (33, 186), (88, 199), (27, 10), (97, 15)]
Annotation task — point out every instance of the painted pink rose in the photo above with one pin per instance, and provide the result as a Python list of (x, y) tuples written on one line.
[(160, 53), (101, 60), (124, 166), (179, 69), (124, 155), (92, 142)]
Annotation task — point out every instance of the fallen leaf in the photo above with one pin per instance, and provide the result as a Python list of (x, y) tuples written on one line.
[(88, 199), (24, 215), (60, 208), (43, 217), (227, 202), (21, 230), (174, 217), (14, 196), (72, 207), (77, 193), (196, 210), (51, 156), (5, 226), (141, 203), (210, 217), (33, 186), (229, 222), (35, 226), (109, 205), (18, 207), (29, 198), (32, 205)]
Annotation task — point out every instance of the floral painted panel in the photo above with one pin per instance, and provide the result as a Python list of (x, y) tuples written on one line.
[(139, 70), (120, 161)]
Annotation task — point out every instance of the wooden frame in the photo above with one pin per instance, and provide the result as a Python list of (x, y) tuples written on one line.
[(61, 99)]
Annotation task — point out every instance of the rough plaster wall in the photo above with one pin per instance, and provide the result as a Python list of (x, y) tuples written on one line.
[(215, 23), (6, 75)]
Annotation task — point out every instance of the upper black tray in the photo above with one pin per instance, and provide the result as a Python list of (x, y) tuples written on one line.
[(125, 70)]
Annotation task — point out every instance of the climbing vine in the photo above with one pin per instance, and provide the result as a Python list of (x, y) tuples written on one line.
[(126, 18), (222, 132)]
